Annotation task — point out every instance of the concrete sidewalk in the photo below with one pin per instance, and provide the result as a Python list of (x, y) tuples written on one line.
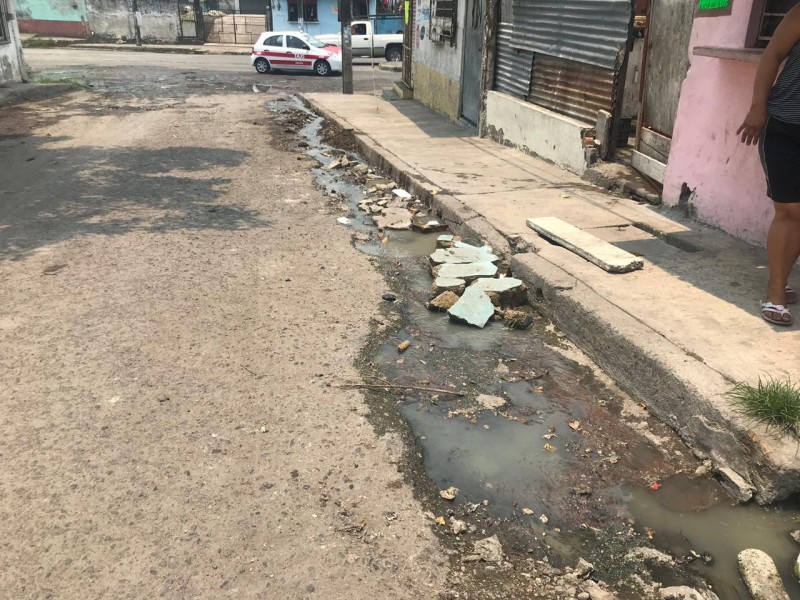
[(676, 335), (224, 49)]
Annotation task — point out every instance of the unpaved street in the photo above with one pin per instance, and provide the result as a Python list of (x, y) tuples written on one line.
[(176, 312)]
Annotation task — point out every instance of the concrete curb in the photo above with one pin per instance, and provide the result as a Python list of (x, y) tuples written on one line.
[(675, 385), (34, 92), (391, 66)]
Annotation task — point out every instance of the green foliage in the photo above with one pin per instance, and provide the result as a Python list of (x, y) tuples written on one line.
[(774, 403)]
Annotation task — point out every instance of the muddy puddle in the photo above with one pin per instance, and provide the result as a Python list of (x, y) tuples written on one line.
[(567, 458)]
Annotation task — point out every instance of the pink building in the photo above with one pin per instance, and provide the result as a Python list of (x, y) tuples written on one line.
[(708, 169)]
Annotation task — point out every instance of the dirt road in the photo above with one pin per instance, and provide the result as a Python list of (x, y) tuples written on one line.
[(176, 313)]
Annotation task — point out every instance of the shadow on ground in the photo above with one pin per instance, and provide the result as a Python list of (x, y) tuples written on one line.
[(51, 194)]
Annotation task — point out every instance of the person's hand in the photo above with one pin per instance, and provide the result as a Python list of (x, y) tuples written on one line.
[(754, 122)]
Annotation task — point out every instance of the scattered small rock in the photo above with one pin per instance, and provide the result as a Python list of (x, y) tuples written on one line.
[(517, 319), (389, 297), (489, 550), (582, 490), (596, 592), (449, 494), (681, 592), (458, 526), (795, 535), (162, 398), (403, 346)]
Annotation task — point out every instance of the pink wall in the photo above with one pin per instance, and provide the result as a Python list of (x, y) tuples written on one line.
[(729, 184)]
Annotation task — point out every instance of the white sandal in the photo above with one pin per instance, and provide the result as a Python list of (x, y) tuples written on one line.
[(779, 309)]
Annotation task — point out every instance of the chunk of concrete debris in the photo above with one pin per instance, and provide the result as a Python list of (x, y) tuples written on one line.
[(449, 494), (473, 308), (735, 484), (444, 301), (760, 575), (463, 253), (334, 164), (510, 290), (360, 169), (597, 251), (393, 218), (426, 224), (517, 319), (467, 272), (489, 550), (490, 402), (458, 526), (795, 535), (445, 240), (445, 284), (583, 569)]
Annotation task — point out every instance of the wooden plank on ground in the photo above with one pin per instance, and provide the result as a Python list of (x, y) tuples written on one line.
[(597, 251), (648, 166)]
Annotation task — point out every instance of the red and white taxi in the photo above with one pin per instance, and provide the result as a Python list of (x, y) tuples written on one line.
[(294, 51)]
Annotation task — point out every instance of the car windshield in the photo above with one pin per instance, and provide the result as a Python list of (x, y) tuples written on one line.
[(313, 42)]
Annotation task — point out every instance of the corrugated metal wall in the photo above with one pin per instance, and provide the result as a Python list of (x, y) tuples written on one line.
[(512, 73), (592, 32), (571, 88)]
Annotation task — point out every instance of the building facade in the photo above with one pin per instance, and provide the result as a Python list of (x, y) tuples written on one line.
[(718, 179)]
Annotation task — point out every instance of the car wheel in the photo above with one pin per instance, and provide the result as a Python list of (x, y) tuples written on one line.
[(262, 65), (322, 67), (394, 54)]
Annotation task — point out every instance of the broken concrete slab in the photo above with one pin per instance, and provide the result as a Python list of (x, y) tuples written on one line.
[(601, 253), (445, 240), (510, 291), (468, 271), (393, 218), (473, 308), (444, 301), (426, 224), (462, 253), (445, 284)]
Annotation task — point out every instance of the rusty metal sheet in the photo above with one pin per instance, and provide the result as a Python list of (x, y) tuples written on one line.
[(592, 32), (512, 74), (571, 88)]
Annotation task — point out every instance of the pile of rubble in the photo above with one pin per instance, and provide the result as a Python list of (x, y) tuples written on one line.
[(389, 206), (466, 285)]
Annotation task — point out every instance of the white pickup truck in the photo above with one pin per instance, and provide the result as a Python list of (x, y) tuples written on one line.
[(388, 45)]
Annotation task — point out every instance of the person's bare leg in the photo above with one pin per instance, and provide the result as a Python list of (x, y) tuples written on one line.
[(783, 249)]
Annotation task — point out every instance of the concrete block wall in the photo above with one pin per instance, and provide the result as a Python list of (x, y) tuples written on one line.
[(234, 29), (111, 20)]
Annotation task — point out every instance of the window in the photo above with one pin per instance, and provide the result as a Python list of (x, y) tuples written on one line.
[(295, 42), (767, 15), (4, 36), (275, 40), (443, 21), (308, 8), (359, 29), (360, 9)]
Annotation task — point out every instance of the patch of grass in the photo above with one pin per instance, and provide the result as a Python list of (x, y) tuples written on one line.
[(37, 42), (44, 79), (774, 403)]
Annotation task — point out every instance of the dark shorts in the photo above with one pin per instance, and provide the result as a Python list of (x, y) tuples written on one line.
[(779, 148)]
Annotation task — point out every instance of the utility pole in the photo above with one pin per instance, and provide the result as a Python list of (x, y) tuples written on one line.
[(346, 18), (137, 32)]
